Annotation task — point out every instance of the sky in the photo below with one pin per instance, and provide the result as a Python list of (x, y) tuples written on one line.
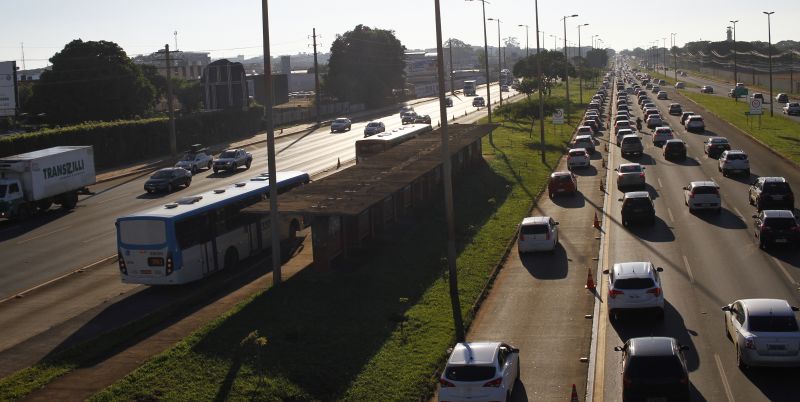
[(233, 27)]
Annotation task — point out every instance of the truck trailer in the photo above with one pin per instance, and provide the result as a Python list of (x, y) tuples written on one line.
[(469, 87), (34, 181)]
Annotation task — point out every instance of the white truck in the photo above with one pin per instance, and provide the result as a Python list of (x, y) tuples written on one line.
[(469, 87), (34, 181)]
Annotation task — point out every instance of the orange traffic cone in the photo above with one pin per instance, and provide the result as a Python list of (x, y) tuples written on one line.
[(589, 280), (574, 397), (596, 223)]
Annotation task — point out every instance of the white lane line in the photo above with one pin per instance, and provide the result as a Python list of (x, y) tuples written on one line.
[(43, 235), (738, 212), (688, 269), (89, 240), (783, 269), (671, 218), (725, 384), (659, 182)]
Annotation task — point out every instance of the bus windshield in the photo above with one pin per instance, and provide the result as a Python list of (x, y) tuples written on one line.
[(142, 232)]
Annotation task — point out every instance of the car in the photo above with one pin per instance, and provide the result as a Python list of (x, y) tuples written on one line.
[(685, 115), (675, 149), (374, 127), (408, 117), (196, 158), (167, 179), (630, 175), (734, 161), (648, 85), (448, 101), (771, 193), (696, 123), (622, 133), (680, 85), (622, 124), (578, 157), (637, 206), (654, 120), (584, 141), (649, 105), (656, 89), (622, 108), (422, 119), (662, 95), (622, 116), (631, 145), (764, 332), (702, 195), (480, 371), (707, 89), (661, 135), (478, 101), (682, 73), (592, 123), (634, 286), (562, 182), (675, 109), (662, 82), (405, 109), (654, 369), (715, 146), (759, 95), (584, 130), (782, 98), (537, 233), (340, 125), (776, 226), (791, 108), (231, 159), (504, 88)]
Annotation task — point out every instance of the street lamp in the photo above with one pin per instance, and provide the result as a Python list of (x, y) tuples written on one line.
[(580, 63), (486, 65), (566, 56), (555, 45), (735, 76), (769, 36), (526, 38), (593, 36), (664, 41), (499, 58), (672, 37)]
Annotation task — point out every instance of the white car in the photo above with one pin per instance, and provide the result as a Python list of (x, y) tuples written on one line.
[(585, 130), (537, 233), (577, 157), (764, 332), (634, 285), (734, 161), (195, 159), (661, 135), (695, 123), (702, 195), (480, 371), (791, 108), (622, 133), (654, 120)]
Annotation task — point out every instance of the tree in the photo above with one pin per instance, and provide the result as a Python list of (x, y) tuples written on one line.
[(597, 58), (553, 66), (528, 86), (92, 81), (366, 64), (158, 81), (189, 94)]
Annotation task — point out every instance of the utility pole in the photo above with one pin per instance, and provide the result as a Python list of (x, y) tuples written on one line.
[(527, 53), (566, 57), (539, 74), (499, 58), (769, 36), (448, 187), (674, 56), (486, 65), (580, 63), (172, 140), (316, 78), (273, 183), (452, 83), (735, 75), (176, 40)]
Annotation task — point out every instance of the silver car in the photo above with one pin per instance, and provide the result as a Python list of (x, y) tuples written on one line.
[(630, 175), (634, 285), (734, 161), (631, 145), (374, 127), (764, 332)]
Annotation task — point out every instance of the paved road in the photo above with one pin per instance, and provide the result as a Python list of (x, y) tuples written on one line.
[(709, 260)]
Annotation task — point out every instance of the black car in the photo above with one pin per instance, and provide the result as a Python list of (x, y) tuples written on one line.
[(654, 368), (675, 109), (675, 149), (422, 119), (771, 193), (637, 206), (715, 146), (168, 179), (448, 101), (776, 227)]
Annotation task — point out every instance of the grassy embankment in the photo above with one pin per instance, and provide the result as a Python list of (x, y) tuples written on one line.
[(337, 335)]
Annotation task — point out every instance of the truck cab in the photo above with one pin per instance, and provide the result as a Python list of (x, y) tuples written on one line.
[(10, 197)]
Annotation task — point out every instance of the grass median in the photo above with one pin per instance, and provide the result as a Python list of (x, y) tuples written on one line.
[(779, 133)]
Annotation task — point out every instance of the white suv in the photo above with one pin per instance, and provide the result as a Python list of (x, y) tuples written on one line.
[(634, 285), (480, 371), (537, 233), (661, 135), (702, 195), (734, 161), (695, 123)]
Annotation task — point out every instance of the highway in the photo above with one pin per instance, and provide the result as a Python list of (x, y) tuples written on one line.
[(57, 243), (709, 261)]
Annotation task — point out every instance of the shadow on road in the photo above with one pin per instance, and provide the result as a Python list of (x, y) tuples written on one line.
[(570, 201), (724, 219), (659, 232), (546, 265)]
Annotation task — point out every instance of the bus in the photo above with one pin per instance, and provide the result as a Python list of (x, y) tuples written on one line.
[(371, 146), (196, 236)]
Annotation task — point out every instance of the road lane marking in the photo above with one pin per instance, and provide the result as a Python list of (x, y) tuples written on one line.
[(43, 235), (725, 384), (659, 182), (688, 269), (783, 269), (671, 218), (97, 237), (738, 212)]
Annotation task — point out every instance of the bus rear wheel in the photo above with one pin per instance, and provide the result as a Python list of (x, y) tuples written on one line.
[(231, 258)]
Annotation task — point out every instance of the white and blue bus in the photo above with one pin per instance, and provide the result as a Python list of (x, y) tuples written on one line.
[(199, 235)]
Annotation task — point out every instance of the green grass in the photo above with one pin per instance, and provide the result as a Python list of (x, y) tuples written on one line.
[(336, 335), (779, 133)]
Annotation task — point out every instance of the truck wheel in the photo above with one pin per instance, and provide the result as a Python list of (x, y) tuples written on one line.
[(70, 201), (247, 164), (23, 212), (44, 205)]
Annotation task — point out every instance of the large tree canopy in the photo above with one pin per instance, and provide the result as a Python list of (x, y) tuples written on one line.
[(554, 65), (92, 81), (366, 64)]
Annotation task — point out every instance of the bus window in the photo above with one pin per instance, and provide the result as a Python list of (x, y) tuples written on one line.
[(142, 232), (193, 230)]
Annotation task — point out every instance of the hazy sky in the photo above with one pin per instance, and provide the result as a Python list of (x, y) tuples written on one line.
[(233, 27)]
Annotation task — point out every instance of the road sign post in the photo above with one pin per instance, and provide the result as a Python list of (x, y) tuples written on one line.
[(558, 116)]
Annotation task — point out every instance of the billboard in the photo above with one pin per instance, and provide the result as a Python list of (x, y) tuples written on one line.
[(8, 88)]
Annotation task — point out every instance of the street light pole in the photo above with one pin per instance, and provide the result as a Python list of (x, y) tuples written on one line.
[(486, 66), (499, 58), (539, 74), (735, 73), (672, 37), (526, 39), (566, 56), (664, 41), (580, 63), (555, 45), (769, 36)]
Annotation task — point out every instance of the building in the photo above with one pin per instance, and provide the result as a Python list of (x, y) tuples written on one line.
[(421, 73), (224, 86), (185, 65), (280, 88), (729, 34)]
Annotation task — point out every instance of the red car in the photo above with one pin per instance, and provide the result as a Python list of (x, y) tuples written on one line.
[(562, 182)]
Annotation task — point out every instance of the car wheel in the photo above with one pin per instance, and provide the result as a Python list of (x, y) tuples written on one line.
[(660, 314), (216, 170), (194, 169), (209, 165), (247, 165), (234, 167), (747, 173), (188, 182), (762, 244), (727, 333)]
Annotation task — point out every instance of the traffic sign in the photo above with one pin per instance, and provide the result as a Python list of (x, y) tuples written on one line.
[(558, 116), (755, 106)]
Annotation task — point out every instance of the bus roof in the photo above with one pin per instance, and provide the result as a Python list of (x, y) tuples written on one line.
[(207, 200), (398, 133)]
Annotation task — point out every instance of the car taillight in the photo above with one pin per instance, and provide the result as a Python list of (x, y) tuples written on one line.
[(641, 175), (494, 383), (614, 292), (445, 384), (795, 228), (748, 343), (169, 264), (654, 291), (691, 195), (122, 267)]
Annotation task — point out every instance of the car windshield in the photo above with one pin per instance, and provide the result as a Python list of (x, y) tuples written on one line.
[(660, 367), (705, 190), (561, 179), (188, 157), (228, 154), (630, 169), (719, 141), (637, 203), (631, 140), (534, 229), (162, 174), (776, 188), (469, 373), (772, 323), (634, 283), (676, 144), (577, 153), (737, 157), (780, 223), (341, 121)]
